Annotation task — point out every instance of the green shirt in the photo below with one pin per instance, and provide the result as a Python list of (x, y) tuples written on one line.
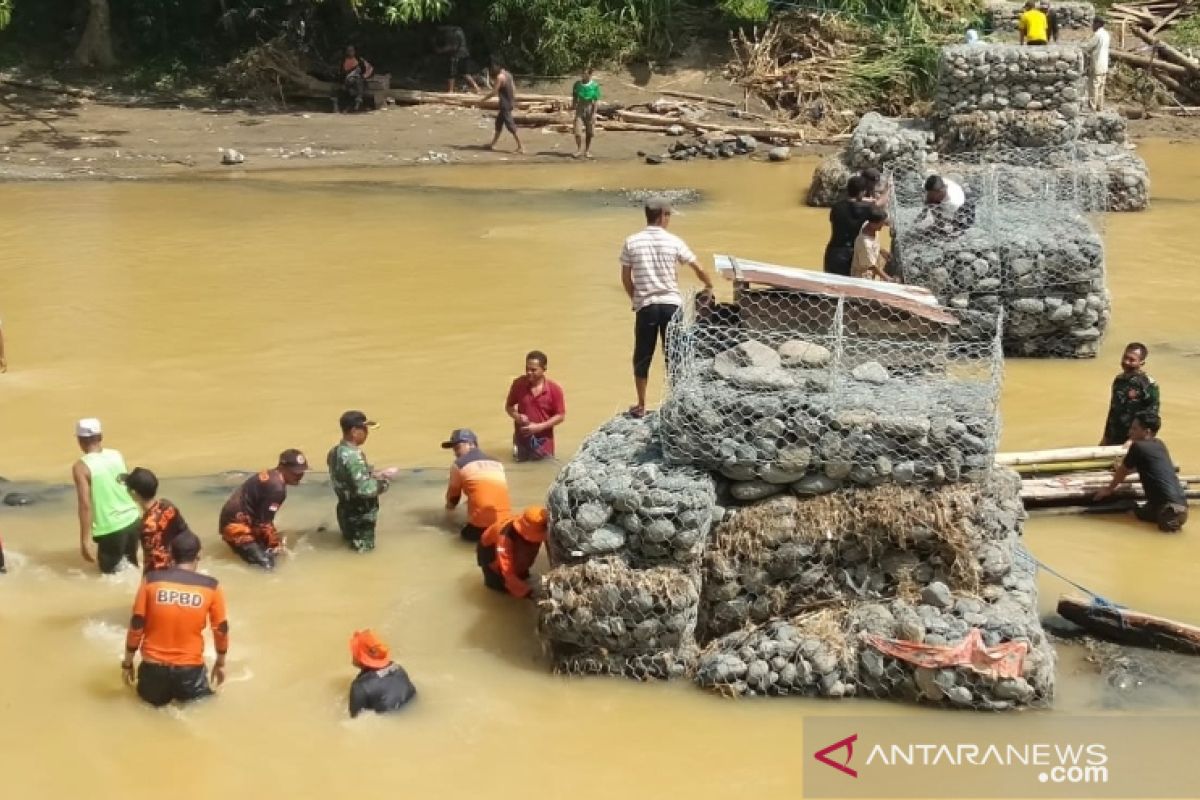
[(112, 508), (350, 473), (1131, 394), (586, 92)]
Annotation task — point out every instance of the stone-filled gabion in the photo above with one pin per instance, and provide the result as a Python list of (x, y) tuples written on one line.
[(617, 496), (1128, 177), (879, 140), (793, 415), (1003, 15), (827, 653), (1106, 127), (829, 181), (1045, 272), (603, 617), (1003, 77), (773, 559)]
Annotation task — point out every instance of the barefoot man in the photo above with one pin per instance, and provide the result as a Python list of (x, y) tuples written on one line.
[(504, 91)]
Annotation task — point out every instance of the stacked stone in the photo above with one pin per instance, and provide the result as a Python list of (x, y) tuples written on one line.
[(623, 518), (879, 140), (788, 419), (774, 559), (817, 579), (1003, 15), (1128, 177)]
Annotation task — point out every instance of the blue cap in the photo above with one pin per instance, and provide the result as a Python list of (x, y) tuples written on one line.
[(460, 436)]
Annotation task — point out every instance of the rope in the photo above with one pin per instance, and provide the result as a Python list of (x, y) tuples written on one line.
[(1097, 599)]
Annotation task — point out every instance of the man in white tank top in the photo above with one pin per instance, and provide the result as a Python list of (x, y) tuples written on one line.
[(108, 515)]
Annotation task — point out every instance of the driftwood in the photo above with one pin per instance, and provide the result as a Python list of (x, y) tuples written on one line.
[(708, 127), (1149, 62), (1111, 453), (1168, 52), (52, 88), (716, 101), (1131, 627)]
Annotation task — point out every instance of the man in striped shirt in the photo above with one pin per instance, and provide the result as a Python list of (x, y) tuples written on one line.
[(648, 263)]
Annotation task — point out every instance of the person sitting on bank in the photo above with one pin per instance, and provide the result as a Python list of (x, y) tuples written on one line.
[(585, 100), (537, 406), (1166, 501), (161, 520), (1033, 26), (169, 616), (247, 520), (508, 548), (1133, 391), (481, 478), (870, 259), (382, 685), (108, 517), (453, 45), (353, 73)]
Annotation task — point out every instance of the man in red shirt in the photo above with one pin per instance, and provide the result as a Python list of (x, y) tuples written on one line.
[(537, 406)]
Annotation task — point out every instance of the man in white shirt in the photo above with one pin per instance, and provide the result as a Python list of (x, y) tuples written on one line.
[(946, 210), (1097, 48), (648, 262)]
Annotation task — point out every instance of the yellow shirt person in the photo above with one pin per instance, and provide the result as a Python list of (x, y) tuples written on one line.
[(1033, 25)]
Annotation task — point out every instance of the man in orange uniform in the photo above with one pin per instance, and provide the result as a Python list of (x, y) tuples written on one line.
[(508, 549), (247, 520), (161, 520), (481, 478), (168, 621)]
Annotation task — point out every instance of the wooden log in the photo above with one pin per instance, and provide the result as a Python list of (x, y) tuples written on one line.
[(1060, 467), (1118, 507), (53, 88), (1149, 63), (1105, 453), (1167, 20), (716, 101), (1131, 627), (1178, 88), (1168, 52), (706, 127)]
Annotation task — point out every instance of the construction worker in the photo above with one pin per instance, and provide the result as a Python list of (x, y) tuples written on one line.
[(247, 520), (108, 517), (508, 549), (356, 485), (382, 685), (161, 520), (481, 478), (169, 616)]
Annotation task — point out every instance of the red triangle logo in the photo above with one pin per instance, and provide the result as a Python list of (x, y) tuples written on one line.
[(842, 766)]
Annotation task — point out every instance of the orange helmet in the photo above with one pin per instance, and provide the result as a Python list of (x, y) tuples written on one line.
[(532, 524), (369, 650)]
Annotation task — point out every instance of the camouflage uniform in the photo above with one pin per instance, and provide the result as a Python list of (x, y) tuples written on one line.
[(358, 495), (1131, 394)]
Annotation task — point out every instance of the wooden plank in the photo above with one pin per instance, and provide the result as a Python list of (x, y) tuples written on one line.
[(1149, 62), (716, 101), (1131, 627), (1063, 466)]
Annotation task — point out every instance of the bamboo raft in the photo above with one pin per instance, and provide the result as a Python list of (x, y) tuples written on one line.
[(1129, 627), (1065, 480)]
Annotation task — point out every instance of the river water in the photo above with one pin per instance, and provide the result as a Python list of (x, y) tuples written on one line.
[(212, 323)]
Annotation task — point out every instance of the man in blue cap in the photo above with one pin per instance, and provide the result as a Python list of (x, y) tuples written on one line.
[(481, 478)]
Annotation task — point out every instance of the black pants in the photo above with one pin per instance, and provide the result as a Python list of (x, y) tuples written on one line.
[(838, 259), (1169, 518), (112, 548), (504, 119), (159, 684), (471, 533), (649, 327), (254, 554)]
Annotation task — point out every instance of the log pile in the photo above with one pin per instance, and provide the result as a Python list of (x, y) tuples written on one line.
[(1137, 28), (1069, 478)]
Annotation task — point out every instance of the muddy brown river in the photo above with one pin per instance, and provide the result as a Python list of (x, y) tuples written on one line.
[(212, 323)]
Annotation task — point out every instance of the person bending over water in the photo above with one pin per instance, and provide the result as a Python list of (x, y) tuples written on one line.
[(1166, 502), (108, 516), (161, 520), (382, 685), (481, 478), (508, 549), (169, 616), (247, 519)]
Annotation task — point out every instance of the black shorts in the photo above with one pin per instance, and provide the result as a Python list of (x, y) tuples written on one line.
[(254, 554), (112, 548), (838, 259), (471, 533), (493, 581), (504, 119), (649, 326), (159, 684)]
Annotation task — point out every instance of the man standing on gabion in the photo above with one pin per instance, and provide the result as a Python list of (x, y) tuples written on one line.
[(1097, 50), (1033, 25), (1133, 391), (1051, 20), (648, 262)]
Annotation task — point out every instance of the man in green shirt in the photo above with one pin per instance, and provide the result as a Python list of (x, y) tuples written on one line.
[(108, 516), (356, 485), (585, 97), (1133, 392)]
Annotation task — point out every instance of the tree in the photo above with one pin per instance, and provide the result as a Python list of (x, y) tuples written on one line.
[(95, 46)]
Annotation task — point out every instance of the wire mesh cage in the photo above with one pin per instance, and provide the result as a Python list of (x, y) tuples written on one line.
[(816, 389)]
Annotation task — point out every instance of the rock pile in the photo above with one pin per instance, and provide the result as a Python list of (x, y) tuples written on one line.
[(1003, 77), (829, 181), (777, 558), (1046, 273), (880, 140), (626, 540), (790, 418), (1003, 15)]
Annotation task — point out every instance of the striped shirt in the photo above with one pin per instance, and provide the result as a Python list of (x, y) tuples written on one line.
[(652, 255)]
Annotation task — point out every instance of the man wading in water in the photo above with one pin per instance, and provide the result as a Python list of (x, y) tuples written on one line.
[(356, 485), (1133, 391), (108, 516), (648, 262), (505, 92), (247, 520)]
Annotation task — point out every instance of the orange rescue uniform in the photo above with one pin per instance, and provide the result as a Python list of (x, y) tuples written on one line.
[(508, 549), (481, 478), (169, 616)]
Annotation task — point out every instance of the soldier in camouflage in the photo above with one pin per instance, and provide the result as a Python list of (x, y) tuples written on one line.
[(356, 485), (1133, 391)]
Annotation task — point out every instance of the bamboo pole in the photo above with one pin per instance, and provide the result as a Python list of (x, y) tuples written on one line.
[(1109, 453), (1064, 466)]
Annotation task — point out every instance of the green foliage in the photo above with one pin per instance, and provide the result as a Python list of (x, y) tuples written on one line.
[(6, 11), (557, 36), (1186, 32), (746, 10), (402, 12)]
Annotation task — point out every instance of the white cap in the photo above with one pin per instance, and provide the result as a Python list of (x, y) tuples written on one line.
[(87, 428)]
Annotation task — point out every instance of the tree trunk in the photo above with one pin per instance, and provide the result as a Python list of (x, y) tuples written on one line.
[(95, 46)]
